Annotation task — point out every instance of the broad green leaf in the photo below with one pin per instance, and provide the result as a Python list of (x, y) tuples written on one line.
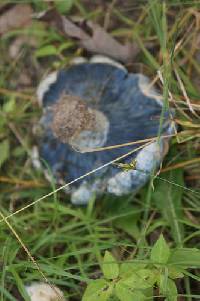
[(46, 50), (167, 198), (18, 151), (65, 46), (172, 293), (175, 273), (110, 266), (9, 106), (64, 6), (140, 279), (148, 292), (160, 252), (99, 290), (128, 268), (41, 5), (4, 151), (185, 258), (168, 288), (124, 293)]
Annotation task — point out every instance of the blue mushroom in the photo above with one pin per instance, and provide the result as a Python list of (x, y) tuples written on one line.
[(95, 104)]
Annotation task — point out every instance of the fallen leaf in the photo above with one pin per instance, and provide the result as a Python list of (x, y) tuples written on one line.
[(24, 79), (16, 45), (15, 17), (4, 7), (91, 36)]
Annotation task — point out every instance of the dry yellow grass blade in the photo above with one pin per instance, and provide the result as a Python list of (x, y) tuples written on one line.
[(181, 164), (4, 91), (110, 147), (24, 183), (185, 94)]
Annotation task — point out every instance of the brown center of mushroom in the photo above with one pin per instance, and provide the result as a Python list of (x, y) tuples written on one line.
[(71, 116)]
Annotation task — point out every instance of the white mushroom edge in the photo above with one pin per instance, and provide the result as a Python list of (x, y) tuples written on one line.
[(39, 291)]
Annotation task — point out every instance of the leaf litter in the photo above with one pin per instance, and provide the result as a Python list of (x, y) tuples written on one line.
[(16, 16), (91, 36)]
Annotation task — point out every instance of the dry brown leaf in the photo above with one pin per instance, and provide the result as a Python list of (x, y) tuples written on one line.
[(92, 37), (15, 17), (16, 45)]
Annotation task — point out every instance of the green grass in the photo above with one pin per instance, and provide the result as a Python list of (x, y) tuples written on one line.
[(68, 243)]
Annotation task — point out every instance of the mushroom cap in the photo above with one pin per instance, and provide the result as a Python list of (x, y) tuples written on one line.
[(71, 117), (132, 108)]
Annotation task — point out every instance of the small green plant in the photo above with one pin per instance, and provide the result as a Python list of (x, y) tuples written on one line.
[(126, 166), (139, 279)]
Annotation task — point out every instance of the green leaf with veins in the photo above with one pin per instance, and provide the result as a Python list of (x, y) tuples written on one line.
[(99, 290), (175, 273), (128, 268), (125, 293), (64, 6), (110, 266), (168, 288), (160, 252), (140, 279)]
